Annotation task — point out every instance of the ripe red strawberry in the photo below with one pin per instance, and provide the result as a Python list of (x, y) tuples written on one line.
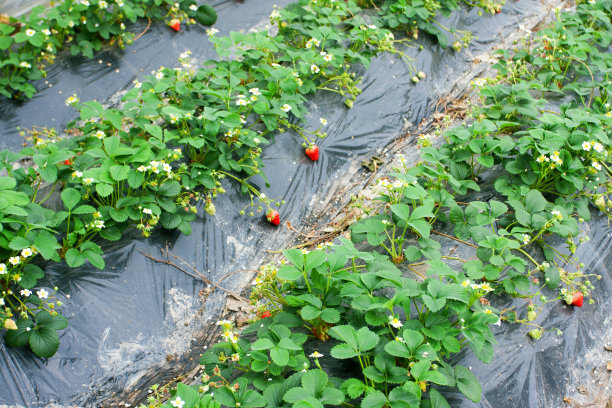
[(273, 217), (312, 152), (577, 299), (265, 314), (68, 162), (175, 24)]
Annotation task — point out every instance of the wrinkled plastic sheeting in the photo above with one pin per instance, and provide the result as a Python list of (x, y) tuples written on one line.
[(139, 322)]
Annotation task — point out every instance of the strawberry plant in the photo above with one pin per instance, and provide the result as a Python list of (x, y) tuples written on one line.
[(334, 294)]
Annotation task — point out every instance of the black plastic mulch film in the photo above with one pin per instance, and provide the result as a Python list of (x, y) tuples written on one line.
[(139, 322)]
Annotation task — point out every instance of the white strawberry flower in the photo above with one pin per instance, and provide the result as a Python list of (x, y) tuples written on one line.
[(395, 322), (24, 64), (27, 252), (598, 146), (30, 33), (586, 146), (159, 75), (193, 7), (314, 68), (241, 101), (25, 292), (255, 91), (316, 354), (177, 403), (42, 294), (97, 224), (596, 165), (100, 134), (2, 268), (87, 181), (72, 100), (225, 324), (14, 260), (286, 107), (147, 211)]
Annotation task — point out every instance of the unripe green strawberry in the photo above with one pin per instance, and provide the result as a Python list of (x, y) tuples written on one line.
[(210, 208), (531, 315), (536, 334), (601, 203)]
